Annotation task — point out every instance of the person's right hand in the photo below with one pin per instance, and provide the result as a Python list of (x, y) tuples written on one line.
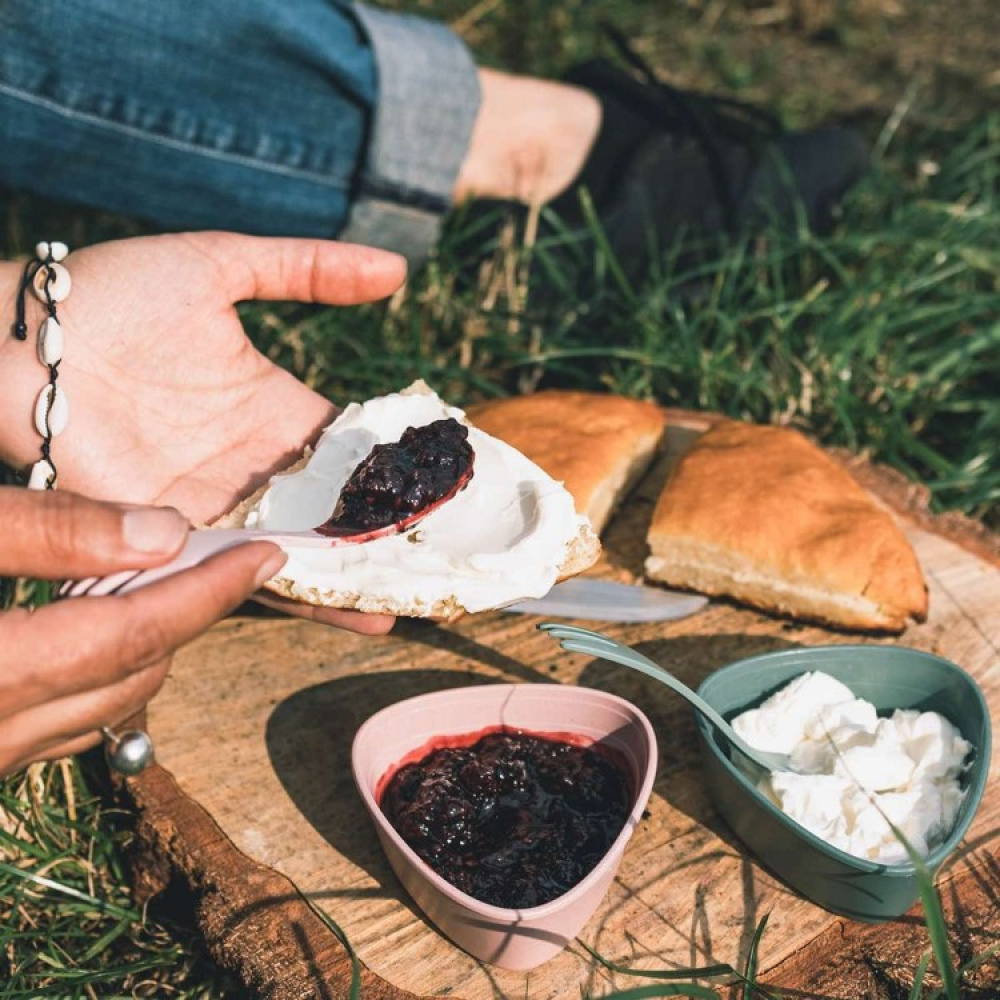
[(69, 668)]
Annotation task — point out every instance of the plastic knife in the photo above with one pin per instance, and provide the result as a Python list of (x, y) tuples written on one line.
[(606, 600)]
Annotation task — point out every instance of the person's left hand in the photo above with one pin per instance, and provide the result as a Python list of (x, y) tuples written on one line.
[(170, 403)]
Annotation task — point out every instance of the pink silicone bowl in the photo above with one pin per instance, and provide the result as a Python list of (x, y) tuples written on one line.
[(511, 939)]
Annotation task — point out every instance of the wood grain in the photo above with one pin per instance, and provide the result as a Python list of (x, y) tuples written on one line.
[(253, 804)]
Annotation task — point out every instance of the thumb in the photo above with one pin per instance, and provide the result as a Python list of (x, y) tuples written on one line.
[(58, 535), (303, 270)]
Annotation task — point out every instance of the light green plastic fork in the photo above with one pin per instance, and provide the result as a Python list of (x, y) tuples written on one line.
[(582, 640)]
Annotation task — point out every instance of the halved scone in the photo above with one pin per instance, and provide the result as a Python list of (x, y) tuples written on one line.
[(598, 445), (508, 536), (762, 515)]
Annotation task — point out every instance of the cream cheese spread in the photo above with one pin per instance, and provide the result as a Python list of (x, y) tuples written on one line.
[(504, 538), (859, 770)]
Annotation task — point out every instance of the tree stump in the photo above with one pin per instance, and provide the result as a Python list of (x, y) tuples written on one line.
[(252, 801)]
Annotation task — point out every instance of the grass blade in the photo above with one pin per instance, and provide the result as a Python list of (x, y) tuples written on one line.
[(101, 906)]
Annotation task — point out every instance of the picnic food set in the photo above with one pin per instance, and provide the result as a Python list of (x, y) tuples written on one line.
[(505, 809)]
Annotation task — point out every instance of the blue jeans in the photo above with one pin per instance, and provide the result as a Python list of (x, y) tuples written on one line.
[(291, 117)]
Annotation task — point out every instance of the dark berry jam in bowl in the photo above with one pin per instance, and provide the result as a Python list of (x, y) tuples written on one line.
[(510, 817), (620, 747)]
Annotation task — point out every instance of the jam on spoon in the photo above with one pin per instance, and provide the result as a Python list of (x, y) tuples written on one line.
[(511, 818), (400, 483)]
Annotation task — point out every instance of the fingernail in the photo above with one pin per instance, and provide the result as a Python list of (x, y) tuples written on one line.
[(270, 567), (154, 529)]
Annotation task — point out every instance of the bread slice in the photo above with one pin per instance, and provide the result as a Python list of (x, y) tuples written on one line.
[(598, 445), (401, 582), (762, 515)]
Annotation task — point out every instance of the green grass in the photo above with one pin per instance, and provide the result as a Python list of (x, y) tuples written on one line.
[(68, 927), (883, 337)]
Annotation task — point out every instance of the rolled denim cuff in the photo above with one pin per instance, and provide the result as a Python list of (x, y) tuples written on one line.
[(426, 105)]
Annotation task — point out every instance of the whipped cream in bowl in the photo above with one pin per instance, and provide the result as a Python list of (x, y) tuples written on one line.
[(509, 535), (885, 737), (857, 774)]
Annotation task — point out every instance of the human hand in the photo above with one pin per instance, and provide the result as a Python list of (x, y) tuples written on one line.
[(69, 668), (170, 402)]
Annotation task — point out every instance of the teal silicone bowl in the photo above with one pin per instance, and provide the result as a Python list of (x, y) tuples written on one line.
[(889, 677)]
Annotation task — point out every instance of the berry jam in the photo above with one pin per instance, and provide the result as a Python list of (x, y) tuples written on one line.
[(403, 478), (514, 819)]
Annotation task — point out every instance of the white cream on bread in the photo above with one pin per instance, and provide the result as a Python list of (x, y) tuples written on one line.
[(508, 536)]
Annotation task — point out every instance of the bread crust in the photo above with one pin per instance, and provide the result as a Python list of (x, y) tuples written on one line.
[(761, 514), (598, 445)]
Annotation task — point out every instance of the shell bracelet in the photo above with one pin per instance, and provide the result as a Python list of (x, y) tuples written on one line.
[(131, 751)]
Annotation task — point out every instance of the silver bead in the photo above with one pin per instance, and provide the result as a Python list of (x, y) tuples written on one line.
[(59, 287), (51, 418), (129, 752), (50, 341)]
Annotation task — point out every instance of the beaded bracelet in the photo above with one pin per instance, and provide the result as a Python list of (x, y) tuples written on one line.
[(51, 283), (131, 751)]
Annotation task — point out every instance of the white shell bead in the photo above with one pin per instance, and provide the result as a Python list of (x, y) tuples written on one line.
[(57, 413), (59, 251), (41, 473), (50, 341), (58, 289), (42, 250)]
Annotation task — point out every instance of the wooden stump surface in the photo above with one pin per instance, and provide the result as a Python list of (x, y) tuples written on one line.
[(253, 805)]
